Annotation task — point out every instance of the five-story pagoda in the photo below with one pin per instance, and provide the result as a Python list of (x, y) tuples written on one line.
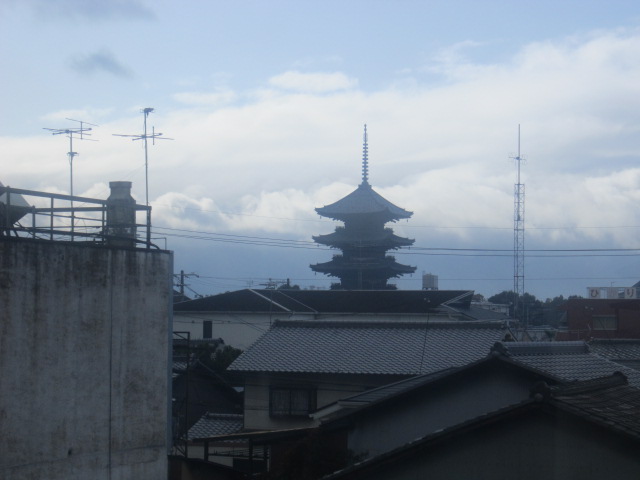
[(364, 240)]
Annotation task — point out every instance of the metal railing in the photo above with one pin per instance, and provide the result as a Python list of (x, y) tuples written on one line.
[(52, 216)]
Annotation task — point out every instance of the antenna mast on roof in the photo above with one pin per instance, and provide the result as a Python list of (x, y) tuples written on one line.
[(365, 157), (80, 132), (70, 132), (518, 240), (145, 136)]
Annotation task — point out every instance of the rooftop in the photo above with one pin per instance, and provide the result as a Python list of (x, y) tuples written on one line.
[(363, 201), (328, 301), (212, 424), (570, 361), (391, 348)]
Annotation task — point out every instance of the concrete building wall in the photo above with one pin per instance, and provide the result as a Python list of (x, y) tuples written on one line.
[(237, 330), (84, 351)]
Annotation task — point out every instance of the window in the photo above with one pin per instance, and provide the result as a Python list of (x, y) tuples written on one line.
[(291, 402), (605, 322), (207, 329)]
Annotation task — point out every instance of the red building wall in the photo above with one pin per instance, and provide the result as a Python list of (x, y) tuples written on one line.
[(601, 318)]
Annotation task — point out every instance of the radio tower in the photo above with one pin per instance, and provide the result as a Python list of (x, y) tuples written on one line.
[(518, 239)]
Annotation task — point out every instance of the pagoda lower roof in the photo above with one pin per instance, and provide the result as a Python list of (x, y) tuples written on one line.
[(344, 238), (363, 201), (338, 266)]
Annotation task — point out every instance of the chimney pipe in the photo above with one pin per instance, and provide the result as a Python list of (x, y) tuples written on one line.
[(121, 216)]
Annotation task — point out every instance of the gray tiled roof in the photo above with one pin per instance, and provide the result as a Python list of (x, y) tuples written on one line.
[(568, 360), (363, 200), (368, 348), (624, 351), (389, 390), (212, 424), (327, 301), (617, 405)]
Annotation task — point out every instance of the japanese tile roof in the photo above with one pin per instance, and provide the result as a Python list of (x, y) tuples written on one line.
[(567, 360), (385, 266), (613, 405), (380, 395), (392, 389), (363, 200), (212, 424), (397, 348), (346, 237), (609, 400), (624, 351), (326, 301)]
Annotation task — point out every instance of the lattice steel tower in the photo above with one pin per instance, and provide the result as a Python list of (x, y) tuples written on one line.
[(518, 237)]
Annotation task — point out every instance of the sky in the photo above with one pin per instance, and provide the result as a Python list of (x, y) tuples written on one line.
[(266, 102)]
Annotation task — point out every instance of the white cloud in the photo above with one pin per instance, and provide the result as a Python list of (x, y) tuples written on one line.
[(313, 82), (262, 161)]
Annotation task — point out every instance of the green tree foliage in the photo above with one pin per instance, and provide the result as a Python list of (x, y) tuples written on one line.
[(216, 358), (534, 311)]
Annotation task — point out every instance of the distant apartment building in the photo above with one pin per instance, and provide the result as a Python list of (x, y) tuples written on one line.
[(601, 318), (612, 292)]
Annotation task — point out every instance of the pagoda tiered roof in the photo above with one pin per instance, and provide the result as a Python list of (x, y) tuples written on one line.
[(339, 266), (364, 200), (344, 238), (363, 239)]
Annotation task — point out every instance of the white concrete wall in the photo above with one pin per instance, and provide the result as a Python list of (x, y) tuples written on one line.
[(237, 330), (84, 351)]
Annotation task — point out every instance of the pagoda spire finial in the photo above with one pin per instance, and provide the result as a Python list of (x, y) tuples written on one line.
[(365, 158)]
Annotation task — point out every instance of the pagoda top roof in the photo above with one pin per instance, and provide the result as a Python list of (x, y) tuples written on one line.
[(363, 200)]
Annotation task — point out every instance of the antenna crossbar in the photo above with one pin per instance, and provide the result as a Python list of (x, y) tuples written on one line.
[(79, 133), (145, 136)]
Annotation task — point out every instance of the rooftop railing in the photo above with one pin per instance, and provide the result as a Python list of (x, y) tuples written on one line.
[(116, 221)]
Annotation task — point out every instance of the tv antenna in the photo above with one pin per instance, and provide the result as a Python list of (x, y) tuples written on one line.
[(80, 133), (145, 136)]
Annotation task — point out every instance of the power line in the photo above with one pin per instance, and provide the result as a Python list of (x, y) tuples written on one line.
[(426, 251)]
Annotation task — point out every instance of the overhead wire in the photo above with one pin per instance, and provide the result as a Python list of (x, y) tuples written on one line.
[(412, 250)]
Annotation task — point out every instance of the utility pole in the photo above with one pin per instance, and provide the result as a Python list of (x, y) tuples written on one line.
[(181, 283)]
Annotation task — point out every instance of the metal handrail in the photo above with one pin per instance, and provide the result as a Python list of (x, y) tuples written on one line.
[(58, 221)]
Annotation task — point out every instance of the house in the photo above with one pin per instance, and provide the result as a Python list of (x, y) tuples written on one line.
[(241, 317), (588, 318), (389, 416), (381, 419), (199, 392), (378, 421), (300, 366), (299, 363), (586, 430)]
